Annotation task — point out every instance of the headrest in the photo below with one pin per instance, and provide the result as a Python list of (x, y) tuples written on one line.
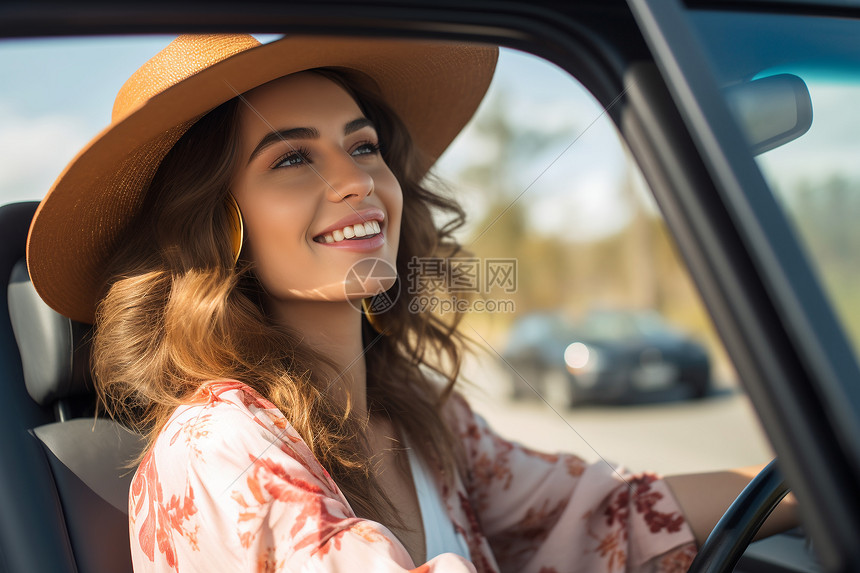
[(55, 351)]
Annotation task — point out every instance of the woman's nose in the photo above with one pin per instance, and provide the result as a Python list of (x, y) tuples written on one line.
[(346, 179)]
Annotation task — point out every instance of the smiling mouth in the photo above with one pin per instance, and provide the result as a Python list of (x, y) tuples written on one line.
[(359, 231)]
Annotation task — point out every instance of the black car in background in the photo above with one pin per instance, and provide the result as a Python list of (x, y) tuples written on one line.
[(610, 356)]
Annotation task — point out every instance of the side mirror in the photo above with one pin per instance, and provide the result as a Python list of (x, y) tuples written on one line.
[(771, 111)]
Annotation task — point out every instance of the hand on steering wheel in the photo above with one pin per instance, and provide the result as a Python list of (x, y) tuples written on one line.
[(739, 524)]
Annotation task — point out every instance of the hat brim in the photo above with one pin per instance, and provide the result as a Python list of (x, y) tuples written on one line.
[(434, 87)]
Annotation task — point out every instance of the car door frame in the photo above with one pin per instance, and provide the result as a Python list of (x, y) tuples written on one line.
[(778, 326)]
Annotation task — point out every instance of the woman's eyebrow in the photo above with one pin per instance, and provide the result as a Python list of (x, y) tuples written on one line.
[(304, 133), (357, 124)]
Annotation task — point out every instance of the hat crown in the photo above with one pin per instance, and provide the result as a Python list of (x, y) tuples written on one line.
[(185, 56)]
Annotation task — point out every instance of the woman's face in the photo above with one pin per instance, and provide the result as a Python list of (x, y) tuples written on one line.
[(309, 173)]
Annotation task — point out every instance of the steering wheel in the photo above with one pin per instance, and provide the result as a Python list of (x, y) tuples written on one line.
[(736, 528)]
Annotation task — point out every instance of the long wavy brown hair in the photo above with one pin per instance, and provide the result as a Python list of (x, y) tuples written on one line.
[(176, 312)]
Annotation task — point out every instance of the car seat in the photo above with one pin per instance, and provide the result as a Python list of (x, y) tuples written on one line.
[(64, 474)]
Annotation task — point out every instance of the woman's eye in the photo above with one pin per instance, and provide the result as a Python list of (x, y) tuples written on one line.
[(294, 158), (301, 155), (366, 149)]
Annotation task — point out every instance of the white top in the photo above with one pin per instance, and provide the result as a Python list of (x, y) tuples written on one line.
[(440, 536)]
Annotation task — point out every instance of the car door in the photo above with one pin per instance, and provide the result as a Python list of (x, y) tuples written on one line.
[(785, 332), (780, 315)]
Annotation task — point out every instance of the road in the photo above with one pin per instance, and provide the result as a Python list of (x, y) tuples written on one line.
[(717, 432)]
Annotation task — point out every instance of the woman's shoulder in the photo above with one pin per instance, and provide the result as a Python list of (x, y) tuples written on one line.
[(455, 407), (225, 429), (457, 411), (225, 468), (224, 419), (228, 402)]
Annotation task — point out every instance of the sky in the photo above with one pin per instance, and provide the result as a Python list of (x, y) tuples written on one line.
[(57, 94)]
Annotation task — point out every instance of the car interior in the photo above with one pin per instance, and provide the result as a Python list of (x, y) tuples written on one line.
[(66, 472), (67, 468)]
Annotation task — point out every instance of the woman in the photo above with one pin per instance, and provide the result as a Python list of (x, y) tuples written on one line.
[(228, 216)]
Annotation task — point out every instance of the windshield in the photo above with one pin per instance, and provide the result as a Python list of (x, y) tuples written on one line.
[(816, 177)]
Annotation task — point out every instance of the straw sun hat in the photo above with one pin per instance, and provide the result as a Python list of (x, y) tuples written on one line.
[(433, 87)]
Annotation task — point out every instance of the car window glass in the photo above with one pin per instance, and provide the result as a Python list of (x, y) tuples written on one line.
[(815, 177), (576, 292), (602, 312)]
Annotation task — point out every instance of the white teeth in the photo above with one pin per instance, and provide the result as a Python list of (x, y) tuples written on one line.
[(358, 230)]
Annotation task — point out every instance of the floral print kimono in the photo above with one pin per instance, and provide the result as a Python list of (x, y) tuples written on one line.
[(230, 486)]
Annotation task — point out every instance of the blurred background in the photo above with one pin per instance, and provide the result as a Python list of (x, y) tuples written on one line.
[(610, 352), (602, 347)]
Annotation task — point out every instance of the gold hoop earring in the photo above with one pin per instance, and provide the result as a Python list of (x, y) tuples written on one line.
[(372, 319), (237, 226)]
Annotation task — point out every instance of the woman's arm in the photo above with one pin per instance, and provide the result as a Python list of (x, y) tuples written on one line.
[(704, 497), (543, 511)]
